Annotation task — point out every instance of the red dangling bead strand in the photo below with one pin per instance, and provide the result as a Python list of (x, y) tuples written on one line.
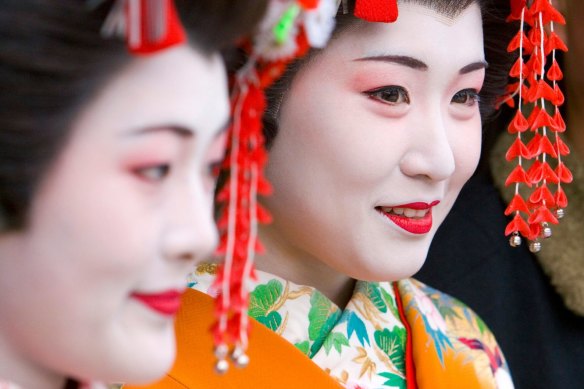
[(240, 212), (538, 91)]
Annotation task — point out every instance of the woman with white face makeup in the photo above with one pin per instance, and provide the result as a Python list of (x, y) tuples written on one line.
[(370, 141), (105, 183)]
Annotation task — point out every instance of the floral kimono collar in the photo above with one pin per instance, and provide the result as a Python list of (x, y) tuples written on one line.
[(365, 345)]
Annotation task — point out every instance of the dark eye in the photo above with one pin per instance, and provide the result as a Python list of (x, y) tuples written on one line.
[(391, 95), (467, 97), (154, 173), (215, 168)]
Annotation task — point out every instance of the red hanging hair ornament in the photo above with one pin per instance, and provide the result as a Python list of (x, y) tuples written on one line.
[(289, 29), (376, 10), (539, 94), (147, 25)]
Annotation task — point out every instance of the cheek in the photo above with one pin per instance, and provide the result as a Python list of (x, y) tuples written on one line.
[(102, 225), (327, 134), (467, 149)]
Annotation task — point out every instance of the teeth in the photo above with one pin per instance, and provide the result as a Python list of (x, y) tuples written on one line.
[(407, 212), (421, 212)]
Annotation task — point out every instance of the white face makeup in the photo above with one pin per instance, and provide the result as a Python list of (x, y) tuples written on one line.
[(377, 136), (90, 289)]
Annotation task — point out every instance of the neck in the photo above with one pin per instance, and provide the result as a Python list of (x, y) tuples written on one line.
[(287, 261), (16, 368)]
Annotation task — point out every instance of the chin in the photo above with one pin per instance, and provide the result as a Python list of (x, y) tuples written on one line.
[(143, 370), (145, 360), (394, 267)]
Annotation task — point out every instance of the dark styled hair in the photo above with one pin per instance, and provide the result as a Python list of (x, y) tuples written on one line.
[(53, 59), (497, 33)]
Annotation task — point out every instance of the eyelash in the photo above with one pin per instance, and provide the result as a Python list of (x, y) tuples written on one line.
[(385, 93), (154, 173), (471, 97), (398, 95), (215, 168)]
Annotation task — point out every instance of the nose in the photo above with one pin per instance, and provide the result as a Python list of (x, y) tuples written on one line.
[(190, 232), (430, 153)]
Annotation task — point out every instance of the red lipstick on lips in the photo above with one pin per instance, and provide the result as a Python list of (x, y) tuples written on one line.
[(413, 225), (166, 303)]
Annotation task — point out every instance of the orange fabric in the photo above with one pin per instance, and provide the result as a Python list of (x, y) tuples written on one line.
[(274, 362), (456, 371), (410, 366)]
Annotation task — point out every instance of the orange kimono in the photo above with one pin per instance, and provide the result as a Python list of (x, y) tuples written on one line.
[(193, 367), (402, 335)]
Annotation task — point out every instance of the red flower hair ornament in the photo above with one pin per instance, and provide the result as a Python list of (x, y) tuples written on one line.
[(540, 172), (288, 30)]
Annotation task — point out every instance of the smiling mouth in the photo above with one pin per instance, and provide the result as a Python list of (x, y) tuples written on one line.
[(415, 218)]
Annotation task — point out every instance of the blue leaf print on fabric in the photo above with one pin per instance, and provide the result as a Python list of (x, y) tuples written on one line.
[(441, 341), (355, 325)]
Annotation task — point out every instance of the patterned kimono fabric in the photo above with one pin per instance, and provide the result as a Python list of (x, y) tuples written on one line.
[(402, 334)]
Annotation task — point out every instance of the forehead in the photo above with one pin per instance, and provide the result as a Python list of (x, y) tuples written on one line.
[(179, 87), (419, 32)]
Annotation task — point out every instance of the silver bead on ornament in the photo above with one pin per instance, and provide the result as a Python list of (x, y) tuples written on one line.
[(221, 351), (515, 241), (535, 247), (221, 366), (546, 232), (242, 361), (239, 357), (560, 213)]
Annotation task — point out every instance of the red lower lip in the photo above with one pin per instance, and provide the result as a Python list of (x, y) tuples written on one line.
[(415, 226), (167, 303)]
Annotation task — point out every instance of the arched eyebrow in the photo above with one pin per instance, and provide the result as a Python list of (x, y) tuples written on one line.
[(176, 129), (473, 67), (417, 64), (182, 131), (403, 60)]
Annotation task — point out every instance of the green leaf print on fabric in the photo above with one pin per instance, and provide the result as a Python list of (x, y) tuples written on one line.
[(322, 317), (336, 340), (304, 347), (393, 344), (272, 320), (390, 301), (263, 298), (355, 325), (482, 326), (394, 380), (262, 301), (444, 306), (373, 293), (451, 308)]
